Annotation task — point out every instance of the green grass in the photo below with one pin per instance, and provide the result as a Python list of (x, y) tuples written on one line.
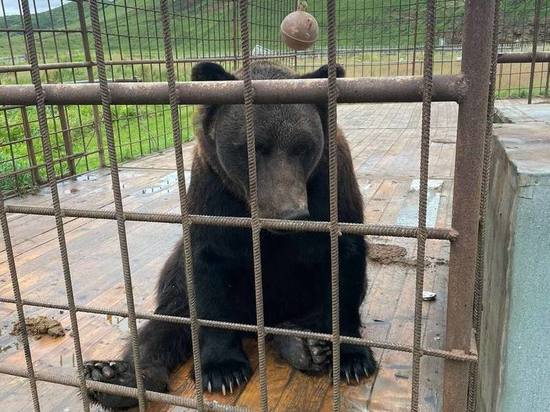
[(132, 29), (138, 131), (376, 22)]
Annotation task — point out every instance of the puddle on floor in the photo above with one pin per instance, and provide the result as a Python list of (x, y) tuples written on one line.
[(87, 177), (167, 183)]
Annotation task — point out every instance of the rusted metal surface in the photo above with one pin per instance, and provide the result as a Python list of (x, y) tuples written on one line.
[(47, 375), (539, 57), (473, 384), (365, 89), (245, 222), (470, 90), (459, 356), (472, 119)]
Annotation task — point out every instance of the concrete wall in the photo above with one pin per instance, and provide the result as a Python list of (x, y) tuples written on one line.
[(515, 331)]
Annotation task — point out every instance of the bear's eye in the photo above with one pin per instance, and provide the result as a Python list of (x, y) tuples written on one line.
[(262, 149), (300, 149)]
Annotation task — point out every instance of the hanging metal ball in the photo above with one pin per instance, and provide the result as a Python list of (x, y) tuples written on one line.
[(299, 30)]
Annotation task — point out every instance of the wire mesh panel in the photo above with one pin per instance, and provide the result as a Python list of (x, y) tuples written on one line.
[(525, 29), (140, 55), (373, 39)]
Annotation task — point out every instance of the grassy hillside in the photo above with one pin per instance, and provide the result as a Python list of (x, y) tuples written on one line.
[(374, 23)]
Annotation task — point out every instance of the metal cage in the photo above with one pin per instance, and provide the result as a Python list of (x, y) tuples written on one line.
[(473, 88)]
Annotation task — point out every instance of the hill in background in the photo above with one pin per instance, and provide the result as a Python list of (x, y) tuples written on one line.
[(205, 28)]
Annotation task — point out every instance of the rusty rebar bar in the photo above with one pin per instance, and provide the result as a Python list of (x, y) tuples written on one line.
[(357, 90), (423, 200), (244, 222), (100, 310)]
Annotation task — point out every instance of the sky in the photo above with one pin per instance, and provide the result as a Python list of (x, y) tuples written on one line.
[(12, 6)]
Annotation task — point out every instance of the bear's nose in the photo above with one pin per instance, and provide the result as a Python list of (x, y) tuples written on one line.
[(301, 214)]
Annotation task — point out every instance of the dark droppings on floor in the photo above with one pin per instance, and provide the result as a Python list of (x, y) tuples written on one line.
[(40, 325), (393, 254)]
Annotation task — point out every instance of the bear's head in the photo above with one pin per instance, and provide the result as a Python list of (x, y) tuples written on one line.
[(290, 141)]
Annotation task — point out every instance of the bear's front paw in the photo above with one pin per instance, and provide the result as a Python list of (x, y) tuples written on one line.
[(226, 375), (307, 355), (115, 372), (356, 362)]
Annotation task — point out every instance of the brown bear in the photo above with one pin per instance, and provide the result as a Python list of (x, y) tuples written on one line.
[(292, 169)]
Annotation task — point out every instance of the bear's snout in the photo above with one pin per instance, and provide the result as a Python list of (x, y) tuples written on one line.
[(297, 214)]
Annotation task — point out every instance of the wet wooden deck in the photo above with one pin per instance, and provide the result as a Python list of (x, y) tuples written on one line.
[(385, 141)]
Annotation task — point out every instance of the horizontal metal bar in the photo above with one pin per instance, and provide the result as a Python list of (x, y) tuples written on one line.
[(44, 66), (48, 375), (43, 165), (540, 57), (452, 355), (133, 62), (10, 107), (356, 90), (37, 30), (243, 222), (74, 65), (502, 58)]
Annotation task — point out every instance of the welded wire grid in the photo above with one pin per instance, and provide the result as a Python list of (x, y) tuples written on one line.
[(169, 38), (374, 38), (524, 27)]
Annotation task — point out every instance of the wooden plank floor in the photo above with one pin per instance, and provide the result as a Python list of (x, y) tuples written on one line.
[(385, 141)]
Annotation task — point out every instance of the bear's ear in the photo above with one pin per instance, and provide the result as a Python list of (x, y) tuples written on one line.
[(322, 72), (208, 71)]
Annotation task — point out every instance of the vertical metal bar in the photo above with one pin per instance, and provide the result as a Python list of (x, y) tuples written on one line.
[(235, 21), (415, 36), (19, 305), (333, 202), (47, 150), (115, 179), (423, 198), (546, 88), (74, 76), (253, 188), (472, 118), (30, 147), (185, 221), (90, 72), (12, 154), (487, 160), (536, 25), (67, 141)]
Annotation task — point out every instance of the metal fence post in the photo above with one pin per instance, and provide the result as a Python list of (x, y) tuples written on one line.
[(30, 148), (90, 70), (536, 24), (67, 141), (472, 119)]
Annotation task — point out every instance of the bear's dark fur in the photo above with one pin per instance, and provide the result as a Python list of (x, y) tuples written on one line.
[(292, 166)]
